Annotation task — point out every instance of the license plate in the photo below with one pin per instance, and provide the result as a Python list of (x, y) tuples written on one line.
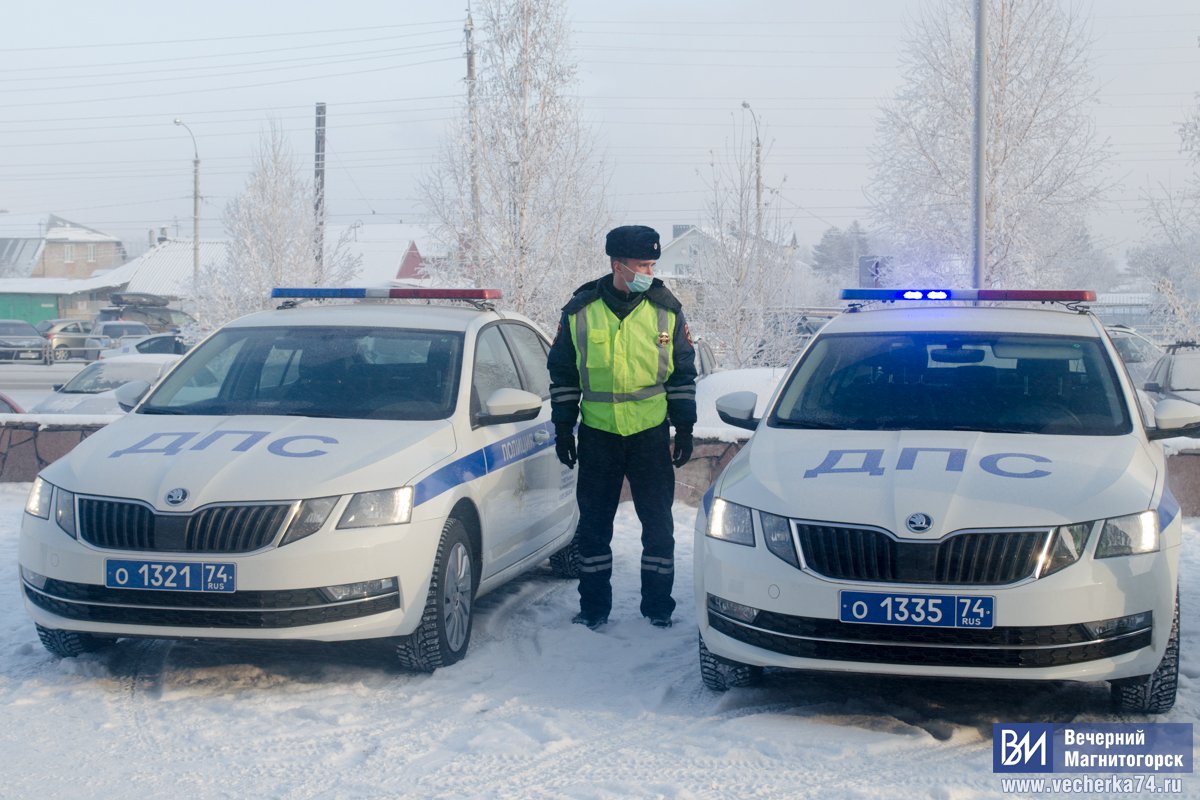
[(176, 576), (921, 610), (29, 354)]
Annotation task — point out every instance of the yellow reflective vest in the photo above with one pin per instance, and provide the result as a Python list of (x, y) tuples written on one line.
[(623, 365)]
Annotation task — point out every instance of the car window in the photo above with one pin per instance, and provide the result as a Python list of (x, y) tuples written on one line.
[(17, 328), (6, 407), (494, 367), (318, 371), (953, 381), (1185, 373), (118, 329), (530, 351)]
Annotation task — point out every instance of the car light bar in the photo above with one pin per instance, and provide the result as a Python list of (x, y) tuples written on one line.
[(330, 292), (1037, 295)]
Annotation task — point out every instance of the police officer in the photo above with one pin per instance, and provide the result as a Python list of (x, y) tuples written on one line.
[(624, 358)]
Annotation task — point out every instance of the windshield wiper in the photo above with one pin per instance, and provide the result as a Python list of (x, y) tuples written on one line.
[(165, 410), (808, 424)]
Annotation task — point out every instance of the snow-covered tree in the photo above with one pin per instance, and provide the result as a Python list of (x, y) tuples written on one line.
[(745, 270), (1044, 161), (271, 227), (838, 252), (518, 194)]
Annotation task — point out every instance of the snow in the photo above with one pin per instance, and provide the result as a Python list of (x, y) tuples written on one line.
[(761, 380), (540, 708)]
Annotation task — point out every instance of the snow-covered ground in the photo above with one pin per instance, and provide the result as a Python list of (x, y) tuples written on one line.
[(540, 708)]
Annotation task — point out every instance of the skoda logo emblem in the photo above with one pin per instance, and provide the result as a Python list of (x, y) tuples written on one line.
[(917, 523), (177, 496)]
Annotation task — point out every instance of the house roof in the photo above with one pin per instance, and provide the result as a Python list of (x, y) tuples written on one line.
[(385, 248)]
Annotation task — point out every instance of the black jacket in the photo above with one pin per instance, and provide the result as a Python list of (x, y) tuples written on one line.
[(564, 371)]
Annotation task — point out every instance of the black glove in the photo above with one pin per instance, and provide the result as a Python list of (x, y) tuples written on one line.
[(564, 444), (683, 446)]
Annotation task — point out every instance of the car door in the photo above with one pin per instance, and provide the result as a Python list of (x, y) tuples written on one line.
[(506, 499), (551, 485)]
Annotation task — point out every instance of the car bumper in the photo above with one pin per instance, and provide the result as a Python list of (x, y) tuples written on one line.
[(281, 592), (1039, 626)]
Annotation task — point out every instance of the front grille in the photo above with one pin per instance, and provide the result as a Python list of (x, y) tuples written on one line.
[(242, 610), (866, 554), (1017, 647), (125, 525)]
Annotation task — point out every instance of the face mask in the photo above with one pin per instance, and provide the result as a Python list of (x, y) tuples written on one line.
[(640, 281)]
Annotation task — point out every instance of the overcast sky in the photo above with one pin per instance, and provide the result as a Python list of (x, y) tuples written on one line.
[(89, 91)]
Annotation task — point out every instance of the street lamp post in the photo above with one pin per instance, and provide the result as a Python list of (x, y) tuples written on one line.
[(758, 186), (195, 201)]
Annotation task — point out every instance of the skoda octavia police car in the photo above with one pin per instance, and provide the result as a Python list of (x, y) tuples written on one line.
[(948, 490), (321, 472)]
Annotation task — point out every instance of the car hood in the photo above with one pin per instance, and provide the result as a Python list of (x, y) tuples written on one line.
[(957, 479), (23, 341), (79, 403), (248, 458), (1190, 395)]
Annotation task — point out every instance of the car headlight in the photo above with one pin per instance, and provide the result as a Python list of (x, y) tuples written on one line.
[(64, 511), (38, 502), (730, 522), (1065, 548), (1129, 535), (385, 507), (309, 519), (777, 533)]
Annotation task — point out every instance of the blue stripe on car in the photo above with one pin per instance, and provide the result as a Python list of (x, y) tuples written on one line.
[(499, 455), (1168, 509)]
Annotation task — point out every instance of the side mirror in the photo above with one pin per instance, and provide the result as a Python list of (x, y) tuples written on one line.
[(737, 409), (1175, 418), (510, 405), (130, 394), (1152, 387)]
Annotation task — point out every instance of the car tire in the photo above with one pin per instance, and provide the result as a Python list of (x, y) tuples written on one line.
[(62, 353), (721, 674), (565, 563), (445, 630), (1153, 693), (68, 644)]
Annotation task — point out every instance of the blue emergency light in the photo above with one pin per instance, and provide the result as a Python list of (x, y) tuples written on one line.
[(1026, 295)]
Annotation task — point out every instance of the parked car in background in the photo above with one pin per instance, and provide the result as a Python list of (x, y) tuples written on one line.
[(1138, 352), (1176, 374), (149, 309), (171, 343), (93, 389), (78, 338), (20, 341)]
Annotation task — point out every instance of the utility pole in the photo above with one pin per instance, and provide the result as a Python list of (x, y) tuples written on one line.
[(472, 121), (980, 162), (195, 202), (319, 197), (758, 185)]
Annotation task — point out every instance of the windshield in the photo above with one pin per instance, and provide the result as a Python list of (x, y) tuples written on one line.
[(104, 375), (348, 373), (955, 381), (15, 328)]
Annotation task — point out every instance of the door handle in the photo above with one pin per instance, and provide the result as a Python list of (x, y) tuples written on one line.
[(541, 436)]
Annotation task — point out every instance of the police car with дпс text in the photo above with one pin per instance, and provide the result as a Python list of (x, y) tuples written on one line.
[(329, 472), (948, 490)]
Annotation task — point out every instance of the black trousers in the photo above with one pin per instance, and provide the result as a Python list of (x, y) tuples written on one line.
[(605, 460)]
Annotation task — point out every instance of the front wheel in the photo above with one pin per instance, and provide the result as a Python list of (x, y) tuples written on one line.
[(68, 644), (1153, 693), (445, 630), (62, 353), (721, 674)]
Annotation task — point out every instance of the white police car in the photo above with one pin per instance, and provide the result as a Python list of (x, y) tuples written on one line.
[(948, 490), (328, 472)]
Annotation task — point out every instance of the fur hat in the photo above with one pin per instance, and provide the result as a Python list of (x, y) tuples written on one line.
[(633, 241)]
